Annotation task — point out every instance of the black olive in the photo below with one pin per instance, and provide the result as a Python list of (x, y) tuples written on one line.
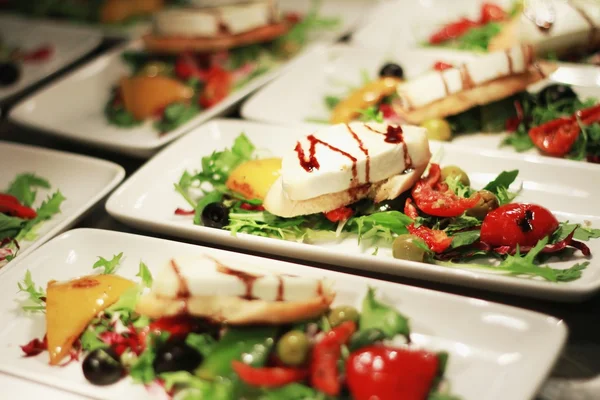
[(553, 93), (102, 367), (176, 355), (215, 215), (9, 73), (391, 69)]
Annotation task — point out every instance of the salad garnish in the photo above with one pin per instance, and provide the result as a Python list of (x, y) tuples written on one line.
[(441, 219), (19, 221), (303, 347)]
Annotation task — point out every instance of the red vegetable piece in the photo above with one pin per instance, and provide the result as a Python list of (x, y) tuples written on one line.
[(178, 326), (452, 31), (10, 205), (517, 224), (339, 214), (436, 240), (434, 198), (35, 347), (42, 53), (269, 376), (387, 373), (324, 374), (491, 13), (442, 66), (216, 88), (251, 207), (181, 211), (556, 137)]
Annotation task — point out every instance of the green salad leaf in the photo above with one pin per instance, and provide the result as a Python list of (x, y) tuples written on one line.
[(144, 274), (505, 179), (49, 208), (37, 295), (109, 265), (23, 188), (175, 115), (376, 315)]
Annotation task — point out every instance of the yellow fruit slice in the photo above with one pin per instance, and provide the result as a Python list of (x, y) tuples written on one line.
[(113, 11), (70, 306), (144, 95), (254, 178)]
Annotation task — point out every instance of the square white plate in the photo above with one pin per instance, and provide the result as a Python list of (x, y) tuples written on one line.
[(69, 42), (496, 352), (147, 200), (79, 115), (82, 180)]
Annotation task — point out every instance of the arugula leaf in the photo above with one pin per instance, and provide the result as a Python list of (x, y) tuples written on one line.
[(524, 265), (376, 315), (10, 226), (464, 238), (190, 387), (380, 225), (22, 187), (49, 208), (581, 232), (90, 338), (109, 265), (142, 370), (145, 274), (454, 184), (505, 179), (298, 35), (504, 196), (203, 343), (332, 101), (37, 295), (372, 113), (175, 115)]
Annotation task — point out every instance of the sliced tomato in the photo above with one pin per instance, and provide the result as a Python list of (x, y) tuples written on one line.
[(339, 214), (324, 375), (491, 13), (452, 31), (589, 115), (438, 241), (268, 377), (216, 88), (442, 66), (436, 199)]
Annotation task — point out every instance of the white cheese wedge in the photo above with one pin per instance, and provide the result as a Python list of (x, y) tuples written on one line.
[(344, 152), (205, 276), (205, 22), (576, 24), (434, 85)]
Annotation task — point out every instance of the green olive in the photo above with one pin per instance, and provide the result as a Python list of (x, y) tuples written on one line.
[(155, 68), (292, 348), (488, 202), (404, 248), (341, 314), (437, 129), (454, 171)]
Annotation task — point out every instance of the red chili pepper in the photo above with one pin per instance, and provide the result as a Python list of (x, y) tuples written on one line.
[(387, 373), (268, 376), (217, 87), (435, 198), (339, 214), (251, 207), (10, 205), (517, 224), (491, 13), (452, 31), (324, 374), (442, 66)]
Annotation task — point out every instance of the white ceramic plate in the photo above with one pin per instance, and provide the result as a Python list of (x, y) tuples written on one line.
[(70, 43), (147, 200), (496, 352), (79, 115), (82, 180)]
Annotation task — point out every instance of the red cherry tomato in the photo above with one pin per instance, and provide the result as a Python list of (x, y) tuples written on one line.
[(324, 375), (268, 377), (387, 373), (216, 88), (435, 198), (339, 214), (517, 224), (556, 137), (491, 13), (442, 66), (452, 31)]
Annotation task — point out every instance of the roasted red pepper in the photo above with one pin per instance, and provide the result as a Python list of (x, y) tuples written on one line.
[(436, 240), (339, 214), (517, 224), (435, 198), (387, 373), (442, 66), (557, 137), (216, 88), (491, 13), (324, 374), (268, 376), (178, 326), (10, 205), (452, 31)]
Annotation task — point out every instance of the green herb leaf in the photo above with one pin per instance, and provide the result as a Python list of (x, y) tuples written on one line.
[(371, 114), (505, 179), (109, 265), (464, 238), (49, 208), (142, 370), (203, 343), (212, 197), (90, 338), (332, 101), (22, 187), (376, 315), (380, 225), (581, 232), (145, 274), (37, 295), (10, 226), (175, 115)]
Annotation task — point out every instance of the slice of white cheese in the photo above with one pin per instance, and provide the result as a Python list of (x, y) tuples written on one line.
[(434, 85), (204, 276), (344, 156), (206, 22), (576, 24)]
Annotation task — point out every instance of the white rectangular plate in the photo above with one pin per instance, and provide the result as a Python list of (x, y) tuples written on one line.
[(82, 180), (69, 42), (79, 115), (496, 352), (147, 200), (334, 69)]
